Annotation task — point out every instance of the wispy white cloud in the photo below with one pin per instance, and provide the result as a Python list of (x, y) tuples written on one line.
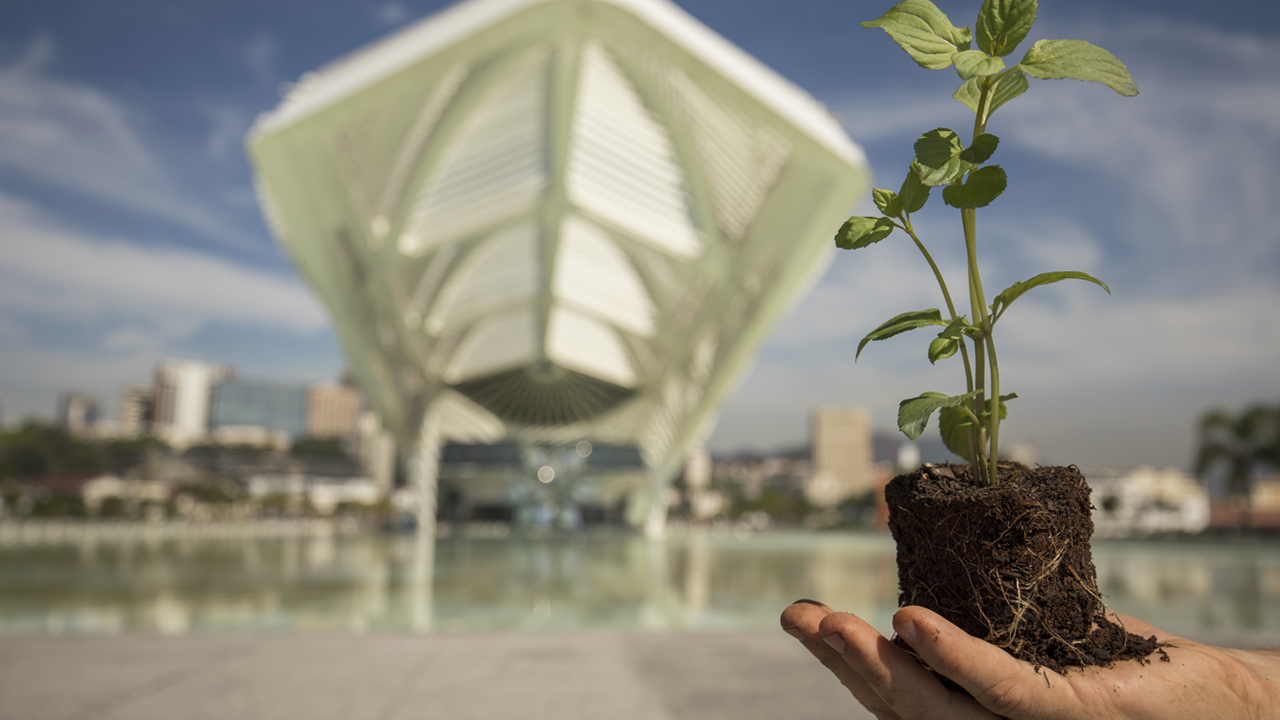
[(392, 13), (54, 271), (78, 311), (227, 128), (260, 54), (79, 138), (1197, 165)]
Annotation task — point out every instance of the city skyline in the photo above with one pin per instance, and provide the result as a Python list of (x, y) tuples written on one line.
[(131, 233)]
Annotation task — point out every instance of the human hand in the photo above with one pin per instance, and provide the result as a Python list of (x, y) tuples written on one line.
[(1198, 681)]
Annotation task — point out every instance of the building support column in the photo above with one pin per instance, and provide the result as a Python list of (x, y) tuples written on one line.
[(655, 522), (424, 471)]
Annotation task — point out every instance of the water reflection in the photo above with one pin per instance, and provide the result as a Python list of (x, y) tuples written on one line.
[(697, 581), (1195, 586)]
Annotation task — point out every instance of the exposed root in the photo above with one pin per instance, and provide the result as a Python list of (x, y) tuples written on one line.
[(1009, 564)]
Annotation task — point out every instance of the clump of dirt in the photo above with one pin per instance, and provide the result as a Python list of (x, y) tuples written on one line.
[(1010, 564)]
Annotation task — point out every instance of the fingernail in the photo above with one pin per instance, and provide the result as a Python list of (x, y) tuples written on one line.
[(837, 642), (794, 632), (909, 632), (807, 601)]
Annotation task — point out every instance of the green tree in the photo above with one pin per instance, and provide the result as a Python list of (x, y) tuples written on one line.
[(35, 451), (319, 447), (1239, 444)]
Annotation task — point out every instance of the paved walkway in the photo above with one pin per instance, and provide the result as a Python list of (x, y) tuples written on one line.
[(449, 676), (503, 676)]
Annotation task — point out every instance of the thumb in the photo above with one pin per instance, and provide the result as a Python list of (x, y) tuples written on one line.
[(998, 681)]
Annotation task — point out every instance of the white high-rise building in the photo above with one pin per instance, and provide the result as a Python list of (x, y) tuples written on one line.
[(546, 222), (182, 391)]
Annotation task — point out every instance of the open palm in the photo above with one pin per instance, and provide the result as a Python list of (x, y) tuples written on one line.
[(1197, 681)]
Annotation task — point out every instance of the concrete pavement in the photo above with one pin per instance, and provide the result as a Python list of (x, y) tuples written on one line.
[(451, 676), (474, 676)]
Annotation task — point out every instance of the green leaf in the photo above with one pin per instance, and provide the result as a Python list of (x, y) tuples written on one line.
[(913, 192), (1079, 60), (984, 185), (913, 413), (859, 232), (942, 348), (1009, 87), (975, 63), (1002, 24), (980, 150), (888, 202), (960, 326), (900, 324), (924, 31), (954, 424), (938, 154), (1015, 291)]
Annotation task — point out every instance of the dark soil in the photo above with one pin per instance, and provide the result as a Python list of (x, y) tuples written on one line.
[(1010, 564)]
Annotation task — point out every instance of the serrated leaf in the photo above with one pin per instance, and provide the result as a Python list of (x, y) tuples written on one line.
[(960, 326), (975, 63), (924, 31), (899, 324), (859, 232), (969, 94), (938, 156), (983, 185), (888, 202), (1002, 24), (942, 348), (913, 192), (981, 149), (913, 413), (1016, 290), (1009, 87), (1079, 60), (953, 425)]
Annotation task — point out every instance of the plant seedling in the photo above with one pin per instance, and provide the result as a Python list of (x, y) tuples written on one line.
[(970, 421)]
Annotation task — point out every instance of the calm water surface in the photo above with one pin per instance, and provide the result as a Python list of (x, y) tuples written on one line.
[(694, 581)]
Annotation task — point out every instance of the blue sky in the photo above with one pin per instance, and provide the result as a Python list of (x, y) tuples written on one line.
[(129, 230)]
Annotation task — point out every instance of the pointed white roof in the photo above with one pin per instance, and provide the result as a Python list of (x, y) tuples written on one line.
[(334, 82)]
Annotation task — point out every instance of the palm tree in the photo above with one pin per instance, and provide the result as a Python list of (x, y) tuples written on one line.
[(1242, 443)]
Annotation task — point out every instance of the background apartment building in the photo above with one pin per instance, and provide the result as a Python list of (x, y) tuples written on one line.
[(843, 456)]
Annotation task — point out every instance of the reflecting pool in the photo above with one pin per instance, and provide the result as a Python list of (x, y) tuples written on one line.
[(689, 581)]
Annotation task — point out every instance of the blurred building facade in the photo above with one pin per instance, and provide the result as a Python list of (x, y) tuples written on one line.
[(136, 410), (844, 463), (539, 224), (1146, 501), (77, 412), (333, 411), (272, 406), (181, 398), (196, 403)]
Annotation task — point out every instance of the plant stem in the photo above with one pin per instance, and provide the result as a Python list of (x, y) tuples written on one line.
[(995, 406), (968, 217), (978, 302), (946, 295)]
